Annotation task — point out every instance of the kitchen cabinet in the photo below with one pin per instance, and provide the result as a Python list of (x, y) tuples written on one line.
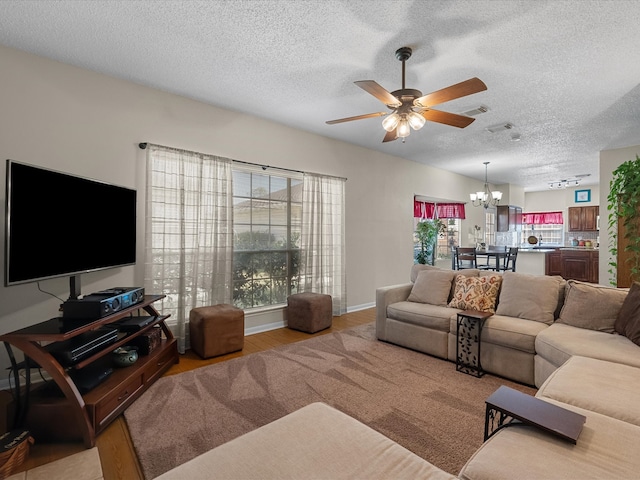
[(583, 219), (508, 218), (574, 264), (553, 263)]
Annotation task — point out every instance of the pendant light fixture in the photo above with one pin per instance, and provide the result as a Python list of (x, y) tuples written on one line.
[(486, 198)]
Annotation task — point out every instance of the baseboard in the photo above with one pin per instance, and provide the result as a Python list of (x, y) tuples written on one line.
[(6, 384), (281, 324), (357, 308), (264, 328)]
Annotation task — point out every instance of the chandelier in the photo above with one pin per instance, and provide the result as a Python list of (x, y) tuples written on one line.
[(487, 198)]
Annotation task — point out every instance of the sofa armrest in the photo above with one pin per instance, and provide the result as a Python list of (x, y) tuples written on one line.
[(385, 296)]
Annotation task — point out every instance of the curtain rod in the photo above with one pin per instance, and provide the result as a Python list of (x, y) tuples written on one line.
[(143, 146)]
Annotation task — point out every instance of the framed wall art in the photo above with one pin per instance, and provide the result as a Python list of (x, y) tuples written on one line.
[(583, 196)]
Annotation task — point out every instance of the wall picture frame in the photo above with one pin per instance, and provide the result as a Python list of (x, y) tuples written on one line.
[(582, 196)]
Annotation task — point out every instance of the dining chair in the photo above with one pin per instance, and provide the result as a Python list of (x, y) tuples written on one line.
[(465, 257), (510, 260)]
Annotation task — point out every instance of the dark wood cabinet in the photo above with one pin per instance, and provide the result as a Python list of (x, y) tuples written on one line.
[(553, 263), (61, 410), (583, 219), (574, 264), (508, 218)]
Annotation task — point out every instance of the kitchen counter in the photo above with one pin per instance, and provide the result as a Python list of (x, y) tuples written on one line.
[(537, 250)]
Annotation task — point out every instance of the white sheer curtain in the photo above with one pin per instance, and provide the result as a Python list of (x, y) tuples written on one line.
[(189, 232), (323, 268)]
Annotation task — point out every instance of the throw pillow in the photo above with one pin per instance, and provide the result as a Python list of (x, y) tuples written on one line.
[(628, 321), (476, 293), (531, 297), (591, 306), (432, 287), (419, 267)]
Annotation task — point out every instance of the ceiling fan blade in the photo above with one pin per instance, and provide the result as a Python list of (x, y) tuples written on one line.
[(379, 92), (462, 89), (447, 118), (358, 117), (391, 136)]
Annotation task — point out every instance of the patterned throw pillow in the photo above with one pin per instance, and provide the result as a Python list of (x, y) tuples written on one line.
[(476, 293)]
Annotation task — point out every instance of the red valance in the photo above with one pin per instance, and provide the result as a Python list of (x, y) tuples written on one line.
[(438, 210), (451, 210), (543, 218)]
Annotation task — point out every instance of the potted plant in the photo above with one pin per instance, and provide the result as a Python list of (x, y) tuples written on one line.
[(623, 205), (427, 232)]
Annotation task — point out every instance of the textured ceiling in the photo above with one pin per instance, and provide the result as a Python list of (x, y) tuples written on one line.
[(565, 73)]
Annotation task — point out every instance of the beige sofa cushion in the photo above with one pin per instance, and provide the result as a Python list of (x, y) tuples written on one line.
[(587, 305), (560, 342), (434, 317), (532, 297), (608, 388), (606, 449), (515, 333), (432, 286), (476, 293), (315, 442), (417, 268)]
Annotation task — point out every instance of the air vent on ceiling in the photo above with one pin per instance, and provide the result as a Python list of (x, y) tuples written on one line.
[(476, 111), (501, 127)]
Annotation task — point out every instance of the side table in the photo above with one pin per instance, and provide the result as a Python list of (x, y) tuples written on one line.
[(507, 406), (469, 332)]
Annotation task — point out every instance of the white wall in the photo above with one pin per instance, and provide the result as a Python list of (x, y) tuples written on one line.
[(609, 161), (559, 200), (81, 122)]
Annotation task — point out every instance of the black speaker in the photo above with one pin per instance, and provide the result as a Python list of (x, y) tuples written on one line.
[(103, 303)]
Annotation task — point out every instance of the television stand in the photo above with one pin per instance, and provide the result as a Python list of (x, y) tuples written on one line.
[(64, 413)]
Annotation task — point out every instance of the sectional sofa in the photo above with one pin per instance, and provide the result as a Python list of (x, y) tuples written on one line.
[(539, 323), (577, 342)]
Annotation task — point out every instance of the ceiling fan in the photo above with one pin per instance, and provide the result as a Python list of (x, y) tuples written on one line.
[(410, 109)]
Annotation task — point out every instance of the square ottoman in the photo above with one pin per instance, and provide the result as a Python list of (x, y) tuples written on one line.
[(216, 330), (309, 312)]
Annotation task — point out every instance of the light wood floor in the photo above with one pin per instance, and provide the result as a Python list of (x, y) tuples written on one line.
[(117, 456)]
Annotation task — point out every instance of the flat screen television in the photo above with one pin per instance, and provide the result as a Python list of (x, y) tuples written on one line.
[(58, 224)]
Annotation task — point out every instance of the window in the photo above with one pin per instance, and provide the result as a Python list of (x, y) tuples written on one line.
[(490, 227), (267, 219), (547, 227), (450, 239)]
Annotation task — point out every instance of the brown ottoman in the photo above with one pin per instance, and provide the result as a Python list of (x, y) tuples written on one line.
[(216, 330), (309, 312)]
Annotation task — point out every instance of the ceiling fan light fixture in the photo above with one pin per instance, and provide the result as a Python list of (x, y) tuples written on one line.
[(391, 122), (404, 130), (416, 120)]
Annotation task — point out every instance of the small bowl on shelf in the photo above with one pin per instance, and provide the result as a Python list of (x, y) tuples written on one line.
[(125, 356)]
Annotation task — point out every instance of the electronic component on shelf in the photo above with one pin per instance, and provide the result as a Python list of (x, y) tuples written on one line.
[(81, 346), (103, 303), (133, 324)]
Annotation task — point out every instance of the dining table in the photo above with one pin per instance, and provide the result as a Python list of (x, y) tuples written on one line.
[(499, 255)]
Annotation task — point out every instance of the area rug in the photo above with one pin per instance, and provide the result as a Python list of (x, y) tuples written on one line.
[(419, 401)]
